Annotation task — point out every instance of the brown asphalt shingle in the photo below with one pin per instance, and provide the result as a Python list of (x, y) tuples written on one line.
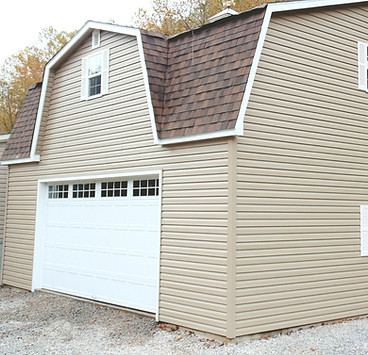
[(198, 78), (20, 141)]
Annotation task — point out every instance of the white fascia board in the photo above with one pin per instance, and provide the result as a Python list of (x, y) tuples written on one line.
[(252, 74), (309, 4), (147, 88), (89, 26), (32, 159), (129, 174), (270, 9), (198, 137), (4, 137)]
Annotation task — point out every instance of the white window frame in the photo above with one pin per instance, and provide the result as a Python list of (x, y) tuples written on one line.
[(363, 66), (364, 230), (85, 77)]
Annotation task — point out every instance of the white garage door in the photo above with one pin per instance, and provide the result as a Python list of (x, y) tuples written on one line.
[(101, 241)]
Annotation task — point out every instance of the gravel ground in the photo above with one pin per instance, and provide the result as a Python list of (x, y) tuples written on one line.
[(42, 323)]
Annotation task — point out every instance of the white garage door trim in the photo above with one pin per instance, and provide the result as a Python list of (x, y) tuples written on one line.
[(42, 194)]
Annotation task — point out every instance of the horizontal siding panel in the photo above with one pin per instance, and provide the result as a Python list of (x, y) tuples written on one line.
[(189, 280), (186, 320), (254, 287), (194, 250), (172, 300), (172, 306), (319, 310), (173, 263), (194, 273), (330, 314), (293, 305), (328, 292)]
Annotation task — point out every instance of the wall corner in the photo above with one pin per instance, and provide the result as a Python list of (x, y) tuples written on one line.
[(231, 238)]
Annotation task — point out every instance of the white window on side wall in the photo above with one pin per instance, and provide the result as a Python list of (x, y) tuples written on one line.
[(363, 65), (364, 230), (95, 75)]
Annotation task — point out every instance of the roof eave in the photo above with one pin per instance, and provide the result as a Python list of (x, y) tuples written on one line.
[(32, 159)]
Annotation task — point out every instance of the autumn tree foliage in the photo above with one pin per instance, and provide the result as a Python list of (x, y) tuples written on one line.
[(175, 16), (24, 69)]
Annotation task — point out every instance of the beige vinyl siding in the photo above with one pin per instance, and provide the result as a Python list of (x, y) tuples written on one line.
[(3, 182), (3, 186), (113, 134), (302, 175)]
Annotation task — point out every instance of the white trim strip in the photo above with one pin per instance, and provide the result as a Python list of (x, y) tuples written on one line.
[(309, 4), (147, 88), (4, 137), (32, 159), (252, 74), (102, 176), (211, 135)]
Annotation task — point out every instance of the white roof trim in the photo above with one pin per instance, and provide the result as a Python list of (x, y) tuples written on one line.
[(198, 137), (4, 137), (223, 14), (89, 26), (271, 8), (32, 159), (308, 4)]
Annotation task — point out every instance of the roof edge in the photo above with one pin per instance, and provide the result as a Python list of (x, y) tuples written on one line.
[(31, 159), (198, 137)]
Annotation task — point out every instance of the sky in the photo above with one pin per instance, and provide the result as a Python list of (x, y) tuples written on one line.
[(22, 20)]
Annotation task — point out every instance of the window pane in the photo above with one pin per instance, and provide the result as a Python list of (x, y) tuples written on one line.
[(114, 188), (84, 190), (95, 85), (145, 187), (58, 191), (95, 64)]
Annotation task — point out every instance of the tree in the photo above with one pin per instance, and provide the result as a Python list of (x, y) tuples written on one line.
[(23, 69), (175, 16)]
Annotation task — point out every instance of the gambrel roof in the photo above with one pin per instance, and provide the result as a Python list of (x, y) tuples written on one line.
[(197, 83)]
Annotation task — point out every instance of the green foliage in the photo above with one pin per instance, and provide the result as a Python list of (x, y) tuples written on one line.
[(175, 16), (23, 69)]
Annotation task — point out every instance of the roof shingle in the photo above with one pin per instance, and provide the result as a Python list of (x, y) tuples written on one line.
[(20, 141)]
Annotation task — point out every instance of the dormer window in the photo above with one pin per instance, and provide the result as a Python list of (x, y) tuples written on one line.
[(95, 75)]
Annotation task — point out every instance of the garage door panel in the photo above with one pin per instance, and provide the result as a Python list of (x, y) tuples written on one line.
[(103, 248)]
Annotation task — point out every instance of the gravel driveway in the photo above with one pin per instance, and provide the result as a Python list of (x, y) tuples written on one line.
[(42, 323)]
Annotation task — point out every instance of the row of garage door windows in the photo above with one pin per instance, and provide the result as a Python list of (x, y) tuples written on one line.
[(146, 187)]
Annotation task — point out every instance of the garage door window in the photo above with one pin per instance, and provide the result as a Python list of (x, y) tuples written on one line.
[(114, 189), (58, 191), (146, 187), (84, 190)]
